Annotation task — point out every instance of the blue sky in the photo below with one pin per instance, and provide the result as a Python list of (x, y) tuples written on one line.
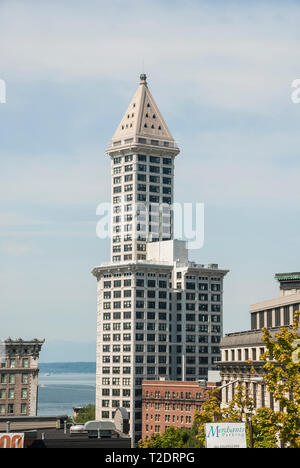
[(221, 74)]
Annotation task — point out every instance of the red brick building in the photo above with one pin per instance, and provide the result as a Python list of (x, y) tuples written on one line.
[(169, 403)]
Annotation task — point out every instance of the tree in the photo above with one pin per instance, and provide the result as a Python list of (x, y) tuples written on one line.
[(210, 412), (265, 428), (85, 414), (282, 376), (173, 437), (240, 406)]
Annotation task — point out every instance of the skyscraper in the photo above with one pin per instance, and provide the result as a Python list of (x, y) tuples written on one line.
[(159, 315)]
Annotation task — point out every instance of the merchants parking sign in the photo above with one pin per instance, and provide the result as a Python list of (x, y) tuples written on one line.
[(225, 435)]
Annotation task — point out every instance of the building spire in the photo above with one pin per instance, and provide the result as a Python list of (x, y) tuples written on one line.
[(142, 117)]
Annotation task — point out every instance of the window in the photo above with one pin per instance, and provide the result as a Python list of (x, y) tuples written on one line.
[(154, 169), (269, 318), (286, 315), (261, 319), (12, 378), (254, 321), (141, 177), (277, 317), (3, 378)]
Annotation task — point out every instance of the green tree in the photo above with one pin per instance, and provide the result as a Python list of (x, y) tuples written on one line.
[(265, 428), (85, 414), (173, 437), (282, 376), (210, 412), (240, 407)]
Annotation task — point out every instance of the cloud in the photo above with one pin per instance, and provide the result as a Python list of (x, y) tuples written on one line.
[(52, 180), (17, 219), (223, 72), (239, 169), (13, 248), (234, 57)]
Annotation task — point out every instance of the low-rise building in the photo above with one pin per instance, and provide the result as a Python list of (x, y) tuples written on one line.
[(169, 403), (19, 377)]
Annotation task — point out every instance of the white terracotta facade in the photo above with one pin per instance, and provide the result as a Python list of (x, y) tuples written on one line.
[(159, 315)]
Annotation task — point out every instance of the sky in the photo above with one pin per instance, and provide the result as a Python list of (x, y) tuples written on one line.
[(221, 73)]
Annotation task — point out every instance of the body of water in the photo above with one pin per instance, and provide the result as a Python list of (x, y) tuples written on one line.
[(59, 392)]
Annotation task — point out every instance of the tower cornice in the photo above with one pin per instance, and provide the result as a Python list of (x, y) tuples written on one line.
[(135, 147)]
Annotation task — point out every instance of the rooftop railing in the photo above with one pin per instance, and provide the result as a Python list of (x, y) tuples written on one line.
[(142, 140)]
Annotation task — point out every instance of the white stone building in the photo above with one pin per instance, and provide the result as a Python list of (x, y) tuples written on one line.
[(159, 315)]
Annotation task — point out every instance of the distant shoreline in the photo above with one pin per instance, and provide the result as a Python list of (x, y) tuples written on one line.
[(67, 367)]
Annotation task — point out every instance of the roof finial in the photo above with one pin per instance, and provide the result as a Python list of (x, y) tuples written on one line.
[(143, 79)]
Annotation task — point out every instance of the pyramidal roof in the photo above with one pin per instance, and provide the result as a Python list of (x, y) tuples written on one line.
[(142, 117)]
